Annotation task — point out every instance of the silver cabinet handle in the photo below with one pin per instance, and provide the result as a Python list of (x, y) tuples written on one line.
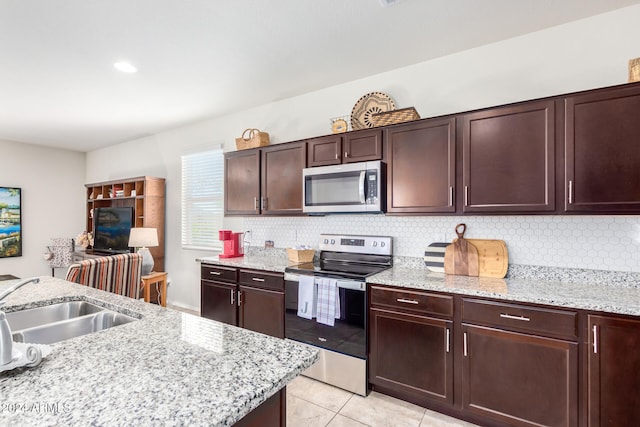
[(570, 191), (337, 156), (512, 317), (215, 273), (256, 206), (263, 203), (239, 298), (466, 195), (448, 343), (595, 339), (451, 196), (407, 301), (257, 279), (464, 344), (346, 155), (233, 294)]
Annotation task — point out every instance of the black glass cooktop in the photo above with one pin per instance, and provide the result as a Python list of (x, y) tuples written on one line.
[(337, 269)]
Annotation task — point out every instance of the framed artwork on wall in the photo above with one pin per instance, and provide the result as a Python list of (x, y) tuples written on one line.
[(10, 222)]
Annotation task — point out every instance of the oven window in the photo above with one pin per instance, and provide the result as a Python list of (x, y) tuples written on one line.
[(347, 336)]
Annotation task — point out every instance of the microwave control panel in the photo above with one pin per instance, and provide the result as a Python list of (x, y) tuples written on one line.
[(372, 187)]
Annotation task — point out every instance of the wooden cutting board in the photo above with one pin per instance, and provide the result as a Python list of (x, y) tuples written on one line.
[(493, 258), (461, 257)]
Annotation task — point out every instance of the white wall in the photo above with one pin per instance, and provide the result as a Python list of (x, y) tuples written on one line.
[(52, 201), (582, 55)]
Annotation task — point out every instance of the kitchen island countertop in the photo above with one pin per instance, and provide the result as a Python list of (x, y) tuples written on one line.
[(601, 296), (166, 368)]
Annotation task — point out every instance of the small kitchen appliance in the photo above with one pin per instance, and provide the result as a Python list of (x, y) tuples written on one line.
[(233, 246), (348, 260)]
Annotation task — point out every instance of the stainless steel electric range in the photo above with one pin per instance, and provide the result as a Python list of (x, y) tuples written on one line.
[(344, 262)]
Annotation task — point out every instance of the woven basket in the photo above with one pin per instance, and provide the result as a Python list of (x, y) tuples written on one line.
[(396, 116), (252, 138), (300, 256)]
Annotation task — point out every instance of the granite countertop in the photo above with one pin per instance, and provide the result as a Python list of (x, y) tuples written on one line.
[(602, 296), (166, 368), (597, 290)]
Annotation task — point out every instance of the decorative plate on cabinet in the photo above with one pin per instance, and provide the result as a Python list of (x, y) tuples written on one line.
[(371, 103)]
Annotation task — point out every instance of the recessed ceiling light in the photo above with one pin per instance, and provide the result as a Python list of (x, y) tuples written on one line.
[(125, 67), (387, 3)]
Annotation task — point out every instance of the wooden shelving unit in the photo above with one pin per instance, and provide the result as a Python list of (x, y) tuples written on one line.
[(146, 195)]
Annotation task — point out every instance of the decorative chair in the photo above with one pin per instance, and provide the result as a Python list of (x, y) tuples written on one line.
[(59, 254), (120, 274)]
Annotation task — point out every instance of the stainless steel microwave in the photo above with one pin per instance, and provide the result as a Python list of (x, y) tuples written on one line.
[(352, 187)]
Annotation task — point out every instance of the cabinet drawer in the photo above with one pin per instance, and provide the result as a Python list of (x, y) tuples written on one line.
[(523, 318), (262, 279), (216, 272), (412, 301)]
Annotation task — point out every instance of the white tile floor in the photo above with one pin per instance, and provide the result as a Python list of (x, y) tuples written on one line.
[(314, 404)]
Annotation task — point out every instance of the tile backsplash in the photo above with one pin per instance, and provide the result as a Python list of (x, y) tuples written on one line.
[(591, 242)]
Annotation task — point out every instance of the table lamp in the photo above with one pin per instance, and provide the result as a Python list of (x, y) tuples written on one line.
[(143, 238)]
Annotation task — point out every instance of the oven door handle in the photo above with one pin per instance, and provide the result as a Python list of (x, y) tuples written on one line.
[(363, 175)]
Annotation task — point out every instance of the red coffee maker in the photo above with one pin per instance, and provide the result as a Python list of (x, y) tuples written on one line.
[(232, 244)]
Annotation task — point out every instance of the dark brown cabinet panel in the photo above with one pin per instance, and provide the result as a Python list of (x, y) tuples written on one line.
[(265, 181), (421, 167), (614, 371), (411, 354), (519, 379), (218, 302), (324, 151), (282, 179), (261, 310), (242, 182), (509, 159), (602, 151), (362, 146)]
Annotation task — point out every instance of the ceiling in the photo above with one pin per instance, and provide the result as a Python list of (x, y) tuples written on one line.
[(198, 59)]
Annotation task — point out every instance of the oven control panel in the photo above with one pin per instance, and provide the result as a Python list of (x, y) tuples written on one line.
[(375, 245)]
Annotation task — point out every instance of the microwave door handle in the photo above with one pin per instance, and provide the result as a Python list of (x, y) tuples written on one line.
[(363, 175)]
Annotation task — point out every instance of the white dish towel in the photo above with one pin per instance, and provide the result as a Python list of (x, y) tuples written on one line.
[(307, 295), (328, 301)]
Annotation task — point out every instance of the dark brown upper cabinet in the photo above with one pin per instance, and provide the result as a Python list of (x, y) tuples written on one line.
[(602, 156), (509, 159), (348, 147), (421, 161), (265, 181), (281, 190)]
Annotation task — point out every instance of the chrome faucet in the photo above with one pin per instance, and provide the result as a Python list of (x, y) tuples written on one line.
[(16, 287), (6, 340)]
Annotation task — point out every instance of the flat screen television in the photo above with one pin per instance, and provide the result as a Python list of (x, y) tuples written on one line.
[(111, 228)]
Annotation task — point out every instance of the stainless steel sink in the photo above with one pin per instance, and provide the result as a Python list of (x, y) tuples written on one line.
[(58, 322), (50, 313)]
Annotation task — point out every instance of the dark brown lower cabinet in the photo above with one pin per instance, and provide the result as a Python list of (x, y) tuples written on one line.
[(519, 379), (217, 302), (411, 354), (251, 299), (271, 413), (614, 371), (261, 310)]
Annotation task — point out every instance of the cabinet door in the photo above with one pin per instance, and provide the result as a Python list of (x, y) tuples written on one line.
[(509, 159), (518, 379), (218, 302), (242, 182), (362, 146), (614, 371), (324, 151), (602, 151), (411, 354), (261, 310), (421, 167), (282, 179)]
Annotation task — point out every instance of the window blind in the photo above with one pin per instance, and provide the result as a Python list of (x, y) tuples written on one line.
[(202, 199)]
